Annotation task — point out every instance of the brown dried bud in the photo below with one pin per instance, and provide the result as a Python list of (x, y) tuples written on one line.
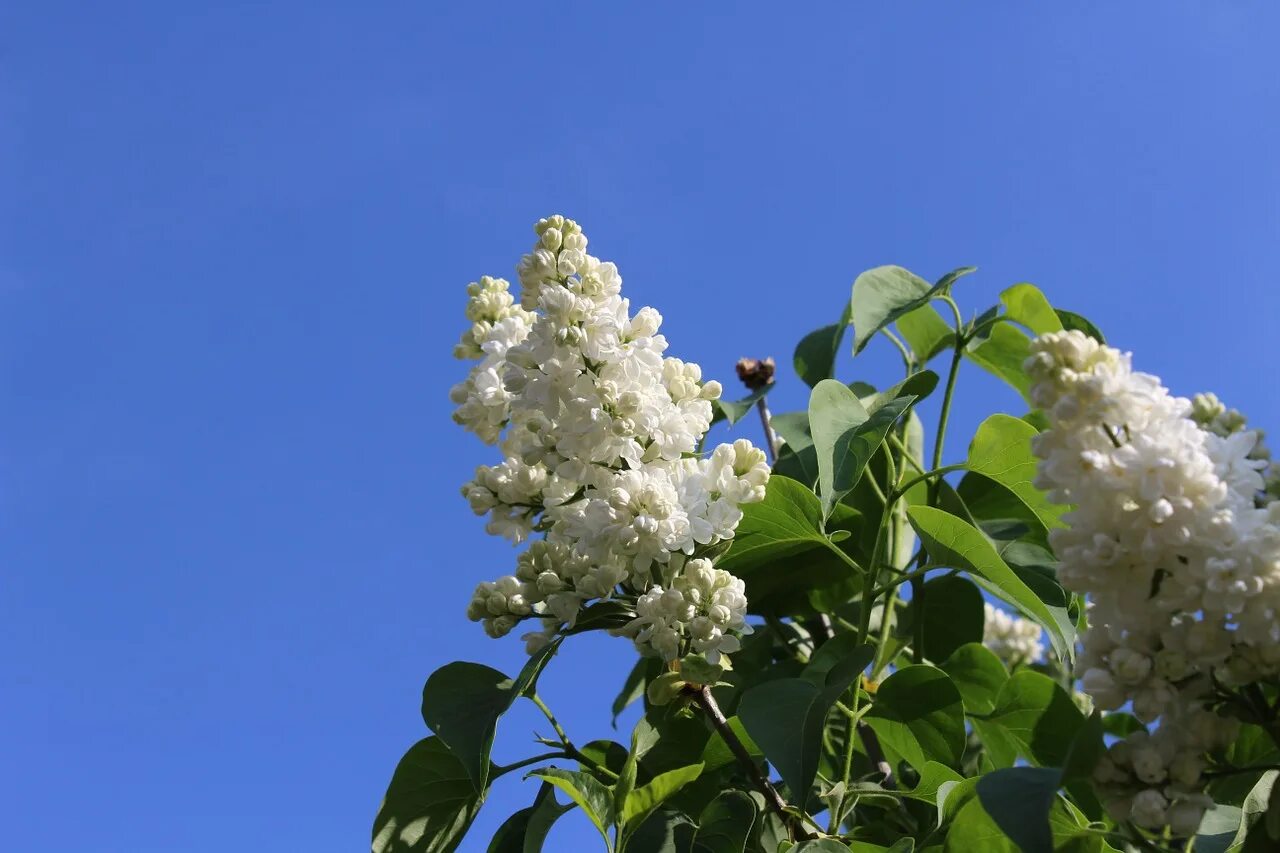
[(755, 373)]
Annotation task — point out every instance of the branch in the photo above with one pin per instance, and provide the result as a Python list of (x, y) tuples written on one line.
[(707, 703)]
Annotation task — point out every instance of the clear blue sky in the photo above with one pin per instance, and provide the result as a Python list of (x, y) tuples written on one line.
[(233, 247)]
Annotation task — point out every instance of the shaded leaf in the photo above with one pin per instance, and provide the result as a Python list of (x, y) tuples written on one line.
[(953, 616), (645, 670), (461, 703), (735, 410), (526, 830), (978, 674), (1072, 320), (666, 831), (785, 717), (815, 355), (429, 804), (1018, 799), (1037, 715), (725, 824), (919, 714)]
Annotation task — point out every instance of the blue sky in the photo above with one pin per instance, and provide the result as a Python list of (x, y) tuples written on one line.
[(233, 247)]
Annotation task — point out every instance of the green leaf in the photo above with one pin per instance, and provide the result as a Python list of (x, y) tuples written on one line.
[(717, 754), (429, 804), (526, 830), (725, 824), (786, 717), (735, 410), (973, 829), (666, 831), (1018, 800), (925, 332), (645, 670), (845, 435), (1025, 304), (797, 459), (1072, 320), (1001, 451), (978, 674), (820, 845), (1086, 748), (595, 800), (1002, 354), (919, 385), (461, 703), (953, 615), (608, 754), (696, 669), (1225, 829), (882, 295), (831, 654), (786, 524), (643, 801), (932, 777), (988, 503), (815, 355), (954, 542), (919, 714), (1121, 724), (602, 616), (1037, 715)]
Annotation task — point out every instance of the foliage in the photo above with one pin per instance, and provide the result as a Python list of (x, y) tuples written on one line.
[(863, 712)]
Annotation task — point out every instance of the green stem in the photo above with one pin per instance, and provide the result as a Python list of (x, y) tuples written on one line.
[(907, 577), (907, 360), (917, 583), (927, 475), (869, 580), (570, 750), (503, 769), (905, 452)]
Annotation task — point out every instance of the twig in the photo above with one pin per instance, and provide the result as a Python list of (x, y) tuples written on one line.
[(774, 800)]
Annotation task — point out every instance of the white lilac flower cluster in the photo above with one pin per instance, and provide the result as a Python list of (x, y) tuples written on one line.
[(600, 434), (1181, 568), (1210, 413), (1013, 639)]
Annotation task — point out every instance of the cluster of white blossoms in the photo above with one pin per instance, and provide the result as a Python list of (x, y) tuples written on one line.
[(703, 605), (1013, 639), (1210, 413), (600, 434), (1180, 565)]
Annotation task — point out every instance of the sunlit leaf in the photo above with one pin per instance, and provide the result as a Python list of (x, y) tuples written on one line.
[(429, 804)]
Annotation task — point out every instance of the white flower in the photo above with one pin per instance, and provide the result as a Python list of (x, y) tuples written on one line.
[(701, 612), (1013, 639), (597, 428), (1178, 560)]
